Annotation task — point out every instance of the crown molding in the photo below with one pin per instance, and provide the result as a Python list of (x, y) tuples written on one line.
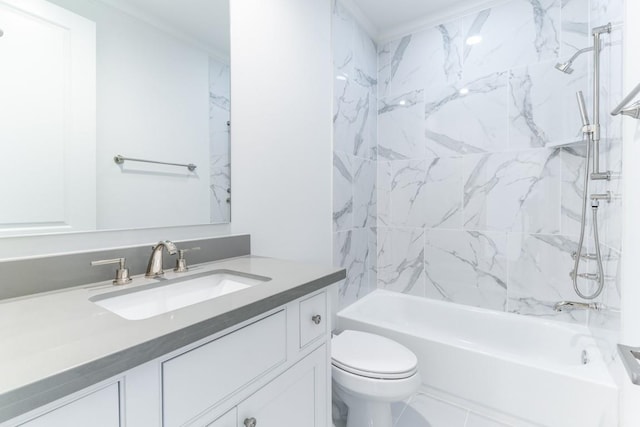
[(361, 18)]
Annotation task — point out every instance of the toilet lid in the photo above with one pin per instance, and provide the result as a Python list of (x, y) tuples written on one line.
[(372, 356)]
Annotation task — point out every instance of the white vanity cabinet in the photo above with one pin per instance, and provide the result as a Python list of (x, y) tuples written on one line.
[(99, 408), (296, 398), (269, 371), (230, 419)]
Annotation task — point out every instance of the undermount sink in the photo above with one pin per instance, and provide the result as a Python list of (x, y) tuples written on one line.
[(169, 295)]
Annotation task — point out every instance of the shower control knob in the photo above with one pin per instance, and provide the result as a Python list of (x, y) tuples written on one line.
[(250, 422), (316, 319)]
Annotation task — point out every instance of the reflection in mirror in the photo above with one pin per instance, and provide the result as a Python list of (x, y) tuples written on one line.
[(84, 81)]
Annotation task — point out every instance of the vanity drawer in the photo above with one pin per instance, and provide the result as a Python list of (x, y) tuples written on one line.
[(100, 409), (313, 318), (202, 377)]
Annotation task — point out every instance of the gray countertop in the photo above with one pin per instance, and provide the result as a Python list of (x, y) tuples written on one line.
[(56, 343)]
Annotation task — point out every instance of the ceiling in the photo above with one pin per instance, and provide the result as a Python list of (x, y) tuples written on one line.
[(205, 21)]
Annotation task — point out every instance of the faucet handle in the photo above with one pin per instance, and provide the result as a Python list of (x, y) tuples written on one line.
[(181, 262), (122, 273)]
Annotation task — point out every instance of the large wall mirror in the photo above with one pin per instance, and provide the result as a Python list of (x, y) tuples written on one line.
[(85, 81)]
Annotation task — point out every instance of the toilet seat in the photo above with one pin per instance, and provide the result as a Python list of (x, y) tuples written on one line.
[(372, 356)]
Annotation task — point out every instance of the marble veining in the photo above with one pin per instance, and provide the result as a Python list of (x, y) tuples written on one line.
[(350, 121), (355, 152), (401, 126), (543, 107), (351, 251), (512, 191), (572, 160), (467, 267), (342, 191), (539, 267), (468, 117), (220, 183), (574, 27), (401, 260), (517, 33), (364, 193), (427, 193), (469, 113), (219, 141)]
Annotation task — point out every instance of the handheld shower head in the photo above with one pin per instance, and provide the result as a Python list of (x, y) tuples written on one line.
[(583, 108)]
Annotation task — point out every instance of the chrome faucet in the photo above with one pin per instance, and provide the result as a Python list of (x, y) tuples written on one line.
[(573, 305), (155, 261)]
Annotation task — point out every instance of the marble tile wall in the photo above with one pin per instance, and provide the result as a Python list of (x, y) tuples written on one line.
[(219, 131), (354, 155), (478, 193)]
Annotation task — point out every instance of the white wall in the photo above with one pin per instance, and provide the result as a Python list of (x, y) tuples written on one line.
[(139, 66), (630, 410), (281, 126), (152, 103)]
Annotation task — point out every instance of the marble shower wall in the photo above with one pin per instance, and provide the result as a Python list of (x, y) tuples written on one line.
[(219, 150), (479, 159), (354, 155)]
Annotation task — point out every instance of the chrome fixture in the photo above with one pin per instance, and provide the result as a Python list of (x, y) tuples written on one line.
[(591, 134), (121, 159), (625, 109), (594, 129), (602, 196), (122, 273), (588, 131), (597, 32), (574, 305), (154, 268), (565, 67), (181, 262), (1, 32)]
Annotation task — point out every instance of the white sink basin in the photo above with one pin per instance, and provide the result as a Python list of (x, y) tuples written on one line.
[(159, 298)]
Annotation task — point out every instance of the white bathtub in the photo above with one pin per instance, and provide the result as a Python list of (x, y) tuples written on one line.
[(529, 369)]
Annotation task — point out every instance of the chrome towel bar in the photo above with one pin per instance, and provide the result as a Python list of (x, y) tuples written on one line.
[(121, 159), (632, 110)]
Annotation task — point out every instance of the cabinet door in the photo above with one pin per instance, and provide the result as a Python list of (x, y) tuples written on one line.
[(48, 119), (230, 419), (98, 409), (296, 398)]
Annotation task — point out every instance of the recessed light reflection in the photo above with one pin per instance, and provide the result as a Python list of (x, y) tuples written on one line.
[(473, 40), (341, 77), (464, 91), (403, 102)]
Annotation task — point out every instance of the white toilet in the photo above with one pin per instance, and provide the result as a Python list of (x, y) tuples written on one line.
[(369, 373)]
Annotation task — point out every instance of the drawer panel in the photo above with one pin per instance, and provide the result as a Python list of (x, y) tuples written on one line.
[(100, 409), (313, 318), (202, 377)]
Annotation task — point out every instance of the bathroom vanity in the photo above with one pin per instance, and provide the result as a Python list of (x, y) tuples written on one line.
[(255, 356)]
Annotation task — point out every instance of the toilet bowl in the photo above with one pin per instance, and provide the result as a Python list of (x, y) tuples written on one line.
[(369, 373)]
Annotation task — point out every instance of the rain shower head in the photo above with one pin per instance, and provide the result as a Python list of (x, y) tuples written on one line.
[(565, 67)]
